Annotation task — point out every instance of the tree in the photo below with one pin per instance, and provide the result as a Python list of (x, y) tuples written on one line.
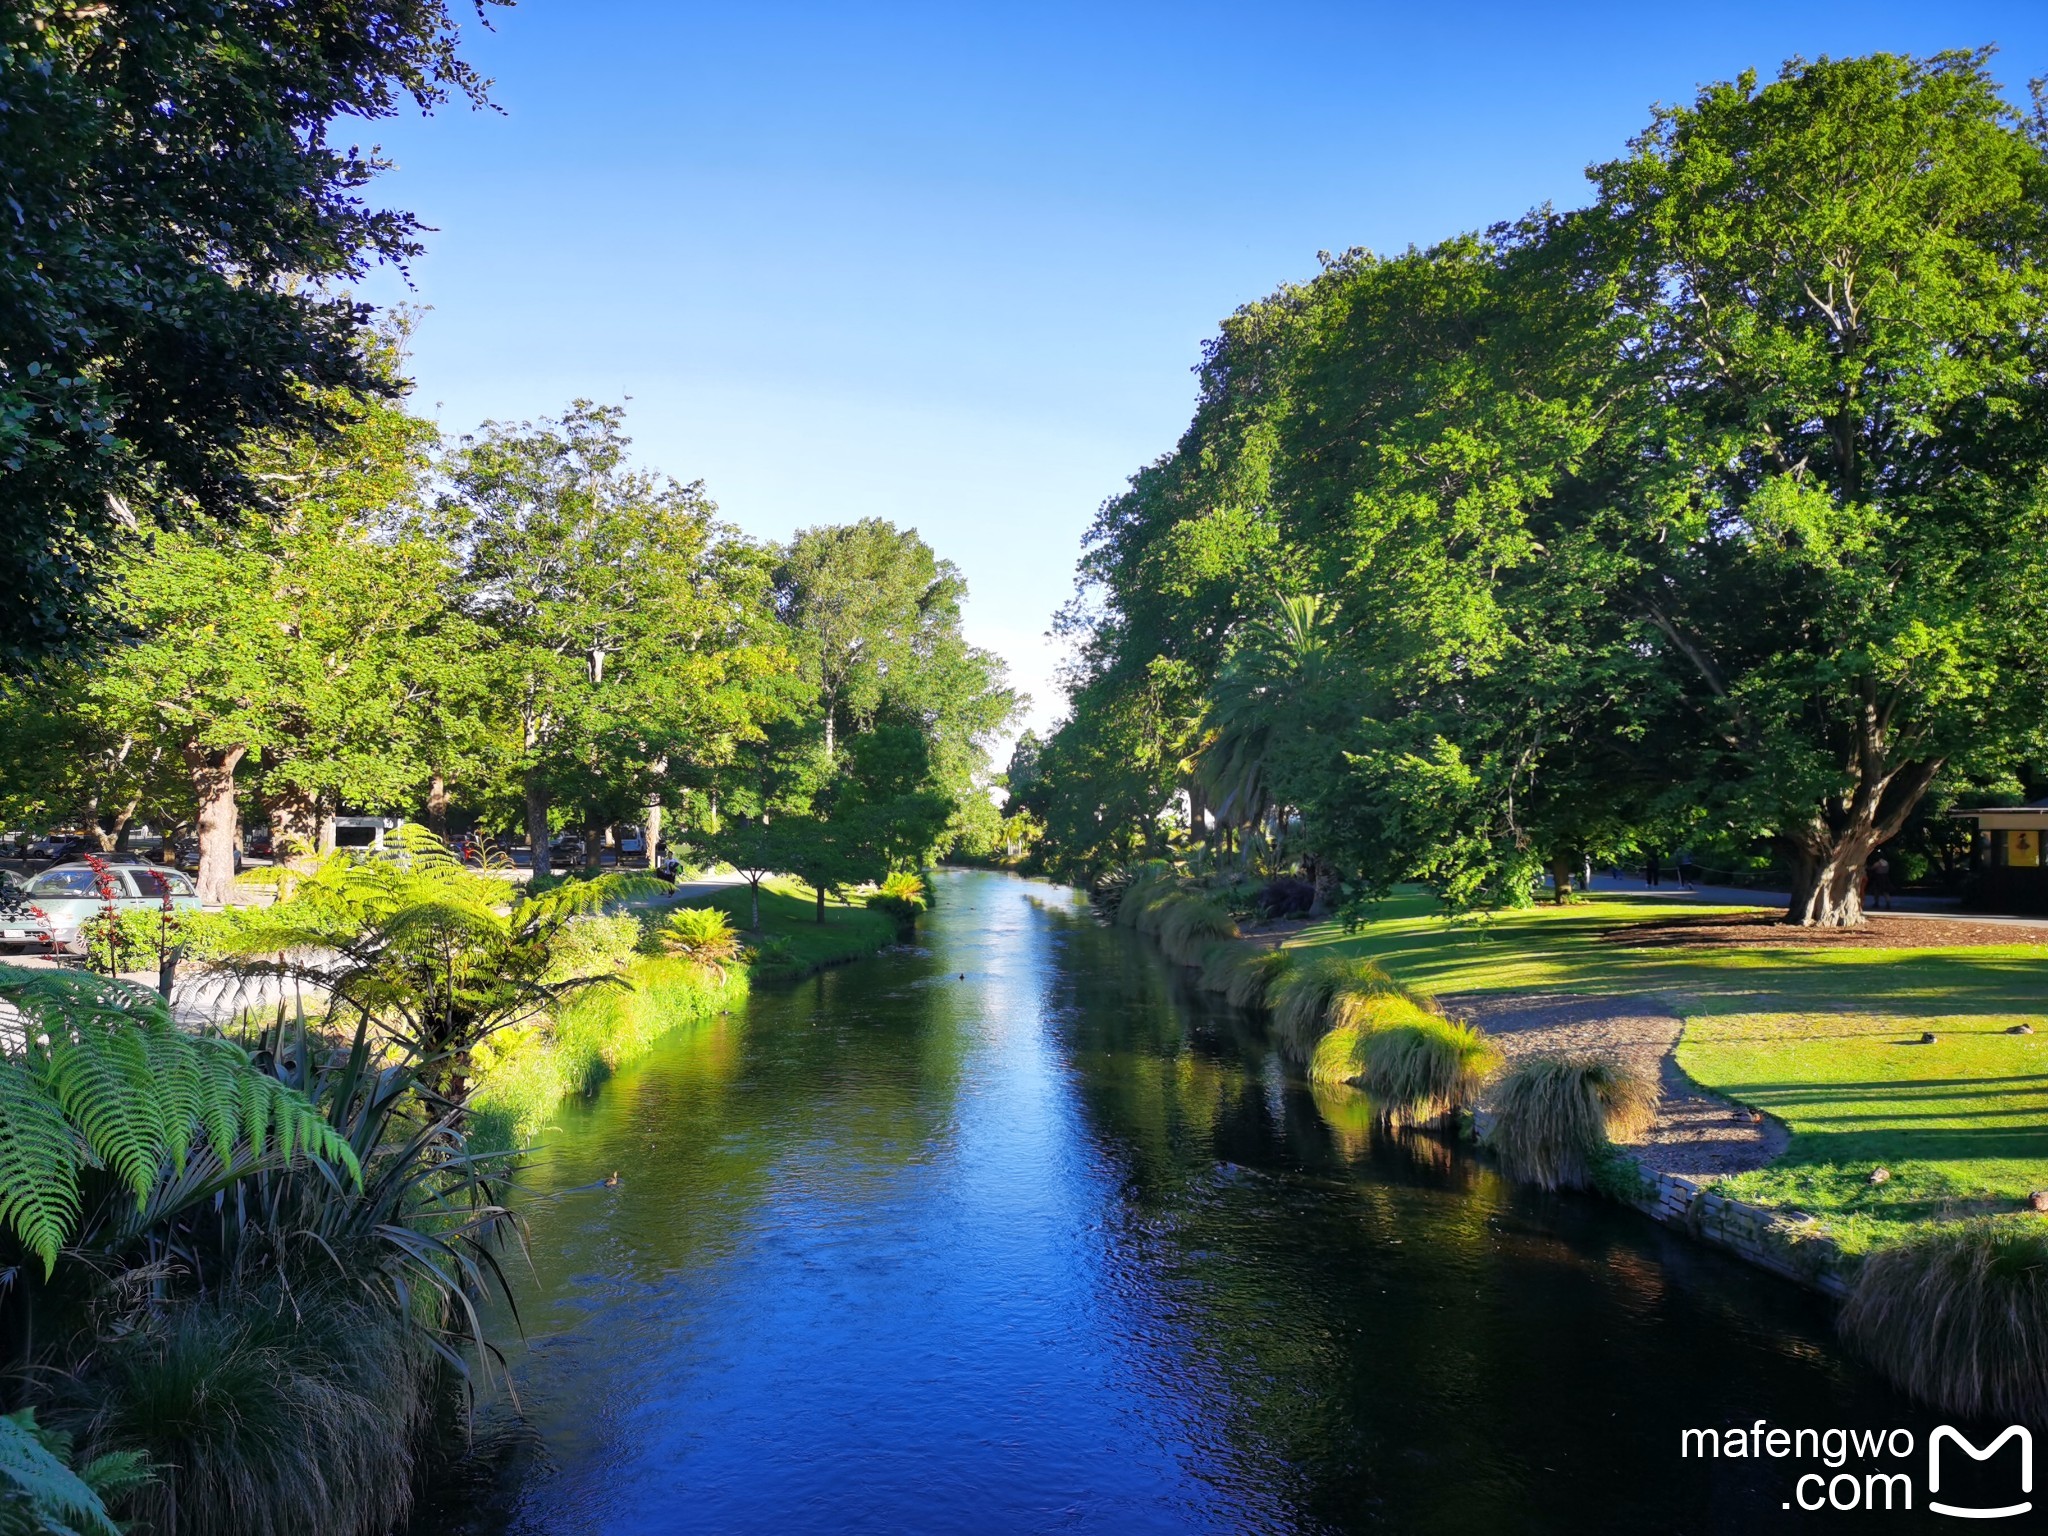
[(178, 215), (630, 630), (1830, 292)]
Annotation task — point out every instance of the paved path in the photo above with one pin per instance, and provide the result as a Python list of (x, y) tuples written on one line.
[(1740, 896)]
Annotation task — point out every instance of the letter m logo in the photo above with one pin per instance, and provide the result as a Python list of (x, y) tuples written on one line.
[(1945, 1433)]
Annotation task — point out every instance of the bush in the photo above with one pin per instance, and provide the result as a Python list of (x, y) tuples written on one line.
[(1286, 896), (134, 939), (1339, 1056), (1554, 1116), (1113, 885), (1240, 973), (704, 936), (1188, 924), (1958, 1316), (594, 946), (906, 910)]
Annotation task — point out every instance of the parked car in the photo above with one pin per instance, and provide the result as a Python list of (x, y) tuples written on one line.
[(188, 855), (59, 846), (567, 849), (58, 903)]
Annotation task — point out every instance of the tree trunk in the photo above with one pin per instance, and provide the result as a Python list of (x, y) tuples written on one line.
[(294, 828), (821, 901), (650, 835), (437, 806), (213, 790), (755, 886), (1828, 854), (122, 818), (324, 841), (537, 826), (593, 845), (1561, 877)]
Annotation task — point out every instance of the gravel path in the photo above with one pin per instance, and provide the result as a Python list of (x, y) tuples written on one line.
[(1696, 1134)]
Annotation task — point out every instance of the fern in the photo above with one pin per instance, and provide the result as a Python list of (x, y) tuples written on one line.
[(40, 1493), (102, 1078)]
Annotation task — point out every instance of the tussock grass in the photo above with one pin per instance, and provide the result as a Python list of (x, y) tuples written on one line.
[(1554, 1115), (1414, 1065), (266, 1413), (1149, 886), (1958, 1316), (1240, 973), (1310, 990), (1188, 924)]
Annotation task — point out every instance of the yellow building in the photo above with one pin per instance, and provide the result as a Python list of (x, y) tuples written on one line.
[(2011, 870)]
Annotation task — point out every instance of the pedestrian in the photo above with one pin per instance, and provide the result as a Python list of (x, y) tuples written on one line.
[(1878, 876), (1687, 872), (1653, 869)]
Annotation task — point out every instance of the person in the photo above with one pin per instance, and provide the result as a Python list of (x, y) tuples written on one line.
[(1879, 882), (1687, 872), (1653, 868)]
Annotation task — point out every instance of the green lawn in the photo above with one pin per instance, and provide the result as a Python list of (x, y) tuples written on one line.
[(1826, 1040), (789, 920)]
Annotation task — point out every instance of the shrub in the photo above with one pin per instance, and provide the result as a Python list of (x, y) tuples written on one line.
[(1240, 973), (133, 939), (1958, 1316), (593, 946), (1286, 896), (1187, 925), (904, 909), (1113, 885), (907, 887), (1554, 1116), (704, 936)]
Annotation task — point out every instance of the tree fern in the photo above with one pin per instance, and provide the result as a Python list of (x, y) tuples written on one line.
[(39, 1493), (102, 1078)]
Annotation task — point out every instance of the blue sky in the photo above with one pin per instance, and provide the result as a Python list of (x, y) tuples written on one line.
[(953, 265)]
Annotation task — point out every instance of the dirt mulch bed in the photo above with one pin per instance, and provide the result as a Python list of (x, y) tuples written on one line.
[(1697, 1134), (1882, 930)]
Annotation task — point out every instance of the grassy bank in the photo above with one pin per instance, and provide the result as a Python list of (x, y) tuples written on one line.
[(524, 1073), (792, 942), (1826, 1039)]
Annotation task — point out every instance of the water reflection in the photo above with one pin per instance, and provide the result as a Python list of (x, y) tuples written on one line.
[(1057, 1245)]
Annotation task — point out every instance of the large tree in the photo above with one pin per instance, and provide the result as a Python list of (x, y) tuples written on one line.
[(1832, 296), (178, 207)]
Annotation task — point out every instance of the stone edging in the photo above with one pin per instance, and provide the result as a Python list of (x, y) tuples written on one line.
[(1768, 1238), (1786, 1246)]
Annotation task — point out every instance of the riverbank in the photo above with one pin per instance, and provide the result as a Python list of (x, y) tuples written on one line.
[(791, 943), (1822, 1035)]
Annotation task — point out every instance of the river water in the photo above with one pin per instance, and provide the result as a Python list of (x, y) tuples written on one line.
[(1009, 1232)]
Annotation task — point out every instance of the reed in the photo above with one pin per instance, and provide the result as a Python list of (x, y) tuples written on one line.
[(1553, 1116), (1958, 1316)]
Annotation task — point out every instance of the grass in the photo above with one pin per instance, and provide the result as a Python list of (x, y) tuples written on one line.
[(1958, 1315), (1554, 1115), (796, 943), (524, 1073), (1824, 1039)]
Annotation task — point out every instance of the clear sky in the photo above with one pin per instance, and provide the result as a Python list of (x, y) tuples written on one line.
[(953, 265)]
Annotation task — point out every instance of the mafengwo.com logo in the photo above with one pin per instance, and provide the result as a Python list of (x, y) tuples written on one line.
[(1869, 1471)]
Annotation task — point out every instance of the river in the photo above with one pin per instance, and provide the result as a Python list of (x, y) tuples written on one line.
[(1009, 1232)]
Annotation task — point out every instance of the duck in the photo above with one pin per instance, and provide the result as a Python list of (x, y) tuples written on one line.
[(611, 1180)]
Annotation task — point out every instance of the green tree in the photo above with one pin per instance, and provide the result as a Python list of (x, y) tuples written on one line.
[(1831, 299), (179, 215)]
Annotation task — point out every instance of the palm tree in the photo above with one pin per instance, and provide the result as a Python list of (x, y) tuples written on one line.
[(1278, 663)]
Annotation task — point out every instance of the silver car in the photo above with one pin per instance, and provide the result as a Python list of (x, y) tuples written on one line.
[(49, 912)]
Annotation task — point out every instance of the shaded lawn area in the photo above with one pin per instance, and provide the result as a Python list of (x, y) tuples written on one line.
[(789, 925), (1826, 1040)]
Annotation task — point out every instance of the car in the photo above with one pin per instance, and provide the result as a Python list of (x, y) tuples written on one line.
[(60, 846), (188, 855), (50, 909)]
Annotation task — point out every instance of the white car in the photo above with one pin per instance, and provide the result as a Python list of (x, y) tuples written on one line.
[(52, 908)]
